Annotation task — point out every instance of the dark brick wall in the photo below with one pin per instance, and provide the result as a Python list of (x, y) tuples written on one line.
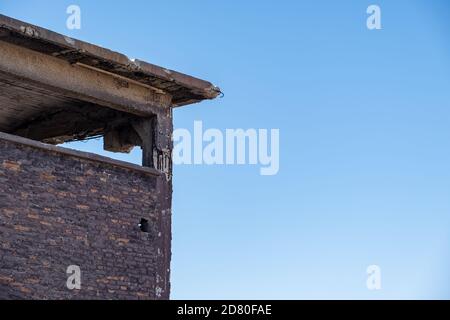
[(58, 210)]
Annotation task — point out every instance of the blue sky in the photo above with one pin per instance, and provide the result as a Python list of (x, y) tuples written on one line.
[(364, 119)]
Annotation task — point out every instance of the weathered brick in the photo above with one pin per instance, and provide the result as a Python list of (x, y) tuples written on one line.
[(4, 279), (11, 165), (47, 176), (21, 228), (63, 210)]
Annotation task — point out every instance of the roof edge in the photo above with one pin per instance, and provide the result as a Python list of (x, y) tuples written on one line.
[(184, 88)]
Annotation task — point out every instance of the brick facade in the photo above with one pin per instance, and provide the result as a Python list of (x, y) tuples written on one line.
[(59, 209)]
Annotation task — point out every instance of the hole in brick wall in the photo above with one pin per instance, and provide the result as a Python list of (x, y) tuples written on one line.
[(143, 225)]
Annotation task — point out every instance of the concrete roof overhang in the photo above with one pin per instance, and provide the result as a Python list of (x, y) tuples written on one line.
[(55, 89)]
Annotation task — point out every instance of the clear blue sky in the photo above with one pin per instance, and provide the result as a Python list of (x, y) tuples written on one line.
[(364, 119)]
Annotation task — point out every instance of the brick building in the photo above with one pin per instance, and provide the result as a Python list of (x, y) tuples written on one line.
[(61, 207)]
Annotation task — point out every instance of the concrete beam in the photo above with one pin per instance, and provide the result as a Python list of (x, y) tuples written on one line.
[(83, 83)]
